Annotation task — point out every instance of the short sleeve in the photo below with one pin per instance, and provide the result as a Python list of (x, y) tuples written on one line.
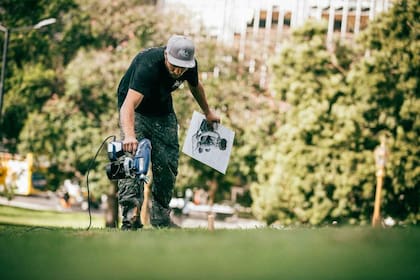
[(192, 75), (140, 80)]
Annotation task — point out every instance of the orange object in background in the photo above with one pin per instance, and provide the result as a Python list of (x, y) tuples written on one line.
[(19, 175)]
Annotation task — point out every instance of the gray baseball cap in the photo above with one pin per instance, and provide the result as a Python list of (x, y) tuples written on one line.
[(180, 51)]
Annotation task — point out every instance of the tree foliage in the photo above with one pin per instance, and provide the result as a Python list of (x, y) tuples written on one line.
[(72, 124), (321, 167), (36, 57), (386, 82)]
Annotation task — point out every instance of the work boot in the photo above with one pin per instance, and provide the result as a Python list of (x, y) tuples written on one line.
[(173, 225), (131, 226), (131, 218), (170, 225), (136, 224), (126, 226)]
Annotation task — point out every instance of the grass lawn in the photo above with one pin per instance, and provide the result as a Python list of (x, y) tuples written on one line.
[(21, 216), (35, 252)]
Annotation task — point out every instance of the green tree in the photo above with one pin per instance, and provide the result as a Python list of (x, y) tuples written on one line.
[(308, 173), (72, 124), (321, 166), (386, 85), (36, 58)]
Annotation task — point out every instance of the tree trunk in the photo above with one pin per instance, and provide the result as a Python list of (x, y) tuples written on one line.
[(111, 212), (212, 191)]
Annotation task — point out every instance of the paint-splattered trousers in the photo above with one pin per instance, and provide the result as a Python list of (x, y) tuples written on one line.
[(163, 135)]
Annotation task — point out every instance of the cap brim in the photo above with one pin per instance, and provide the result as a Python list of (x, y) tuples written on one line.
[(181, 63)]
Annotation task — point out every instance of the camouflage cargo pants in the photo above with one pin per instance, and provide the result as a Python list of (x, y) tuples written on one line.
[(163, 134)]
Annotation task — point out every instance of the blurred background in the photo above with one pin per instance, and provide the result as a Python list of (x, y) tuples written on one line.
[(312, 88)]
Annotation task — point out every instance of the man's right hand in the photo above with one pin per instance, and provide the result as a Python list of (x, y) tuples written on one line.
[(127, 119), (130, 144)]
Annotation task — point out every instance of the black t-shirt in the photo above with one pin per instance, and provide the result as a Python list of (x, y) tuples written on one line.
[(148, 75)]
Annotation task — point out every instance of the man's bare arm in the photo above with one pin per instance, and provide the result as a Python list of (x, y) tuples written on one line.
[(200, 97), (132, 100)]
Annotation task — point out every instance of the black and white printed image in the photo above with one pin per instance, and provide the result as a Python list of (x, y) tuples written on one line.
[(207, 138), (208, 143)]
